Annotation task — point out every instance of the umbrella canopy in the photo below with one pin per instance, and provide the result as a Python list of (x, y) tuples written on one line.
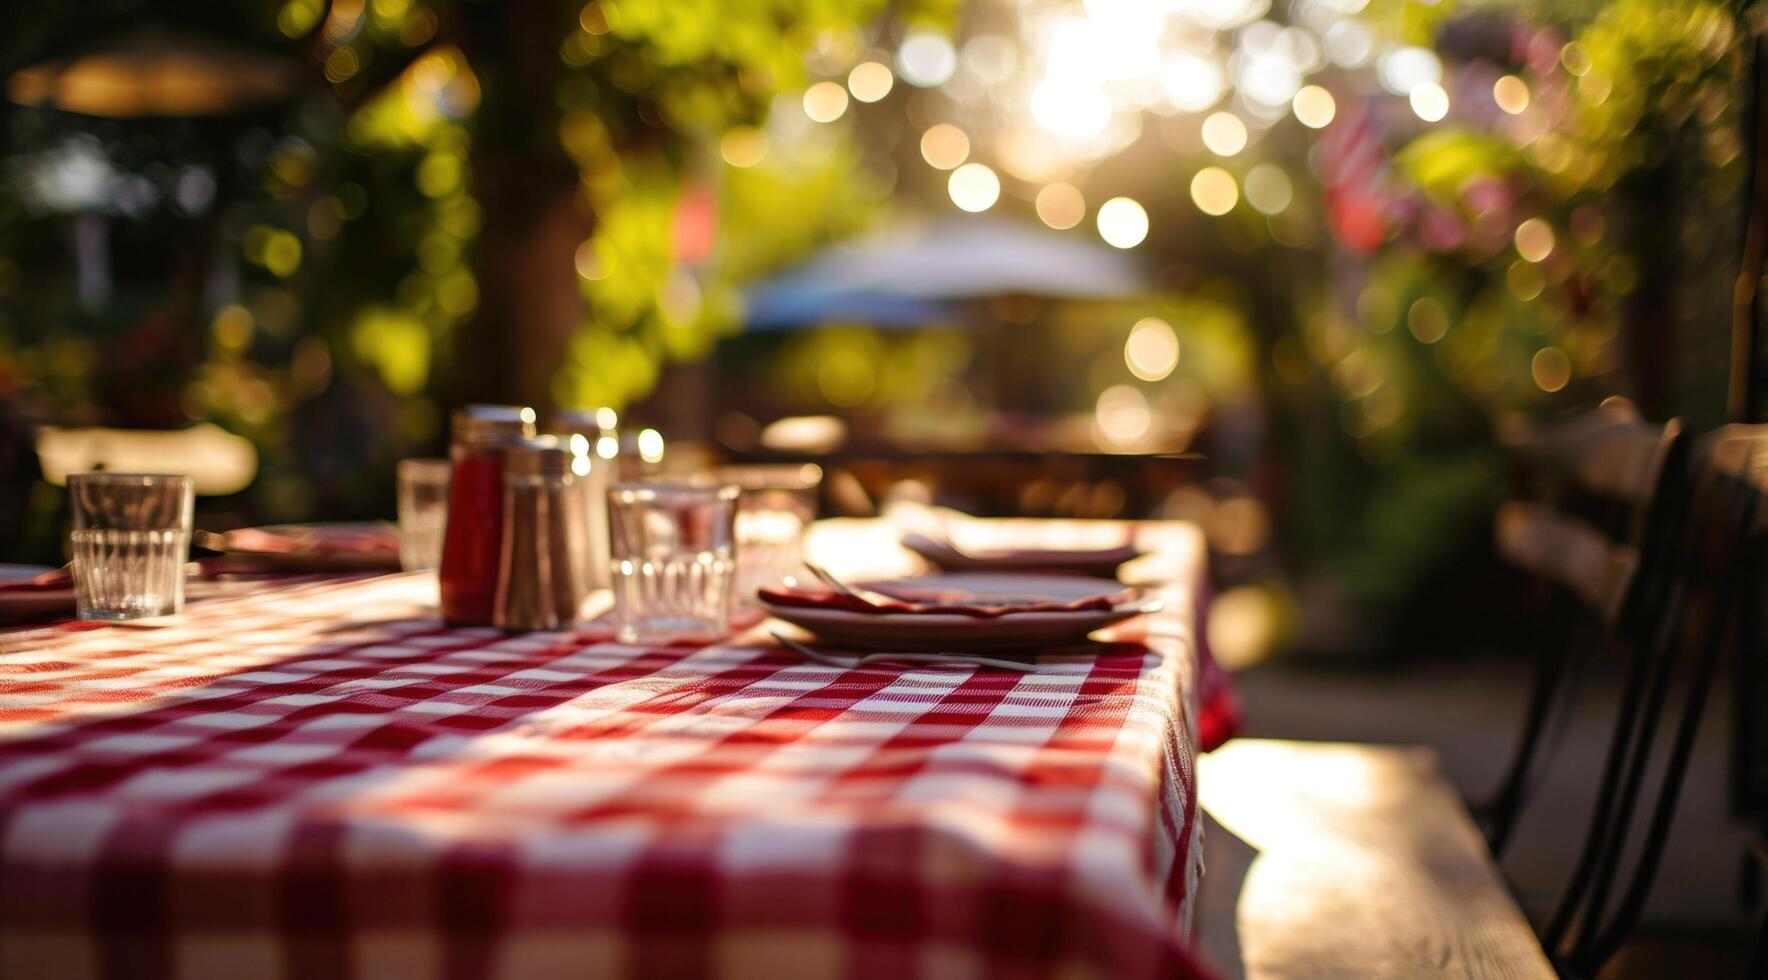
[(782, 305), (157, 73), (913, 275)]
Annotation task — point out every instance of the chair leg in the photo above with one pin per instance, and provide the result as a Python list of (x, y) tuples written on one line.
[(1625, 718), (1722, 602), (1651, 593), (1627, 803), (1626, 916), (1498, 818), (1759, 958)]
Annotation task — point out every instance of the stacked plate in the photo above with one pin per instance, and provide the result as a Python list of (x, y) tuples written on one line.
[(959, 612)]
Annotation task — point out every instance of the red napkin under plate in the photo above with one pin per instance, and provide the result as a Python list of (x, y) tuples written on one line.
[(934, 601)]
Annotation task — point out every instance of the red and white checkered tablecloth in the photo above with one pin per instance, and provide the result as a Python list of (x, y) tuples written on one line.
[(322, 781)]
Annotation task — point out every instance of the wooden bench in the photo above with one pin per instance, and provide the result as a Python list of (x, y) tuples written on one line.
[(1334, 860)]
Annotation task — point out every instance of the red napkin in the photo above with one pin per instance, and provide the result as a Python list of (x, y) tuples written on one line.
[(46, 596), (928, 601), (55, 578), (1218, 702)]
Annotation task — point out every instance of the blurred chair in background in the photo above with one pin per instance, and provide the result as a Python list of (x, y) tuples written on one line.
[(1613, 463), (1668, 595)]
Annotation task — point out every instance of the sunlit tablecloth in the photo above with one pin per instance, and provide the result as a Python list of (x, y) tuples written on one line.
[(323, 781)]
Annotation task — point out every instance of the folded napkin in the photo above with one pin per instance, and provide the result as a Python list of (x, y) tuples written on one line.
[(48, 595), (315, 539), (926, 601), (51, 594), (48, 581), (1218, 702), (1093, 560)]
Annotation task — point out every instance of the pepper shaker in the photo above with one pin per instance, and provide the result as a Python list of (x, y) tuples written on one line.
[(543, 575)]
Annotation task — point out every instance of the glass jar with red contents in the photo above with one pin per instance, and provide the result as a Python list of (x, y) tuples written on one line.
[(473, 545)]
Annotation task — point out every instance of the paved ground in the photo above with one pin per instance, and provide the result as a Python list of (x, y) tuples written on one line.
[(1470, 711)]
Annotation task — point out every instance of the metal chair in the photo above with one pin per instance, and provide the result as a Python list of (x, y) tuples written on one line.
[(1609, 461), (1671, 623)]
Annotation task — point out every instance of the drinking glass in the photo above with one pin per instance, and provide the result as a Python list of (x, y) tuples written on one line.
[(131, 535), (775, 509), (423, 512), (672, 559)]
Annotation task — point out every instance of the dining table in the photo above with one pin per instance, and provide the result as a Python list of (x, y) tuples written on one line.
[(316, 777)]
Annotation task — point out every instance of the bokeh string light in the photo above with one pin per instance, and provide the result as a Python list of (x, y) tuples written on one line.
[(1429, 101), (1073, 85), (870, 81), (1122, 222), (1268, 189), (974, 187), (1314, 107), (825, 102), (1152, 350), (1214, 192), (1534, 240), (926, 59), (944, 146), (1061, 206), (1224, 134), (1511, 94)]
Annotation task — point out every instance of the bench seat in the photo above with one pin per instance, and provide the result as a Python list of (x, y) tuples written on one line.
[(1327, 860)]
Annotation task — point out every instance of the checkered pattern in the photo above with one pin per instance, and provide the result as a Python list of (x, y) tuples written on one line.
[(322, 781)]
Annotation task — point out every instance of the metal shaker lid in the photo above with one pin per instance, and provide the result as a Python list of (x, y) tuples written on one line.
[(541, 456), (492, 425)]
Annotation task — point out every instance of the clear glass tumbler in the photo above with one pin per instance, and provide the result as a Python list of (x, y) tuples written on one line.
[(776, 508), (423, 512), (131, 535), (672, 559)]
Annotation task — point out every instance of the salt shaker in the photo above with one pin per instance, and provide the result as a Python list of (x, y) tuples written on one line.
[(472, 544), (543, 575), (594, 443)]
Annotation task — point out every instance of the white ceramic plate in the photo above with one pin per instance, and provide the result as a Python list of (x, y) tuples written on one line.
[(1092, 562), (1026, 631)]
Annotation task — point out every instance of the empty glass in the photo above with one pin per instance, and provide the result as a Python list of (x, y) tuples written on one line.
[(423, 512), (131, 535), (672, 559), (777, 506), (594, 444)]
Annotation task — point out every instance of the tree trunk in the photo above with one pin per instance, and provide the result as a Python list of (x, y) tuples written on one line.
[(1743, 401), (1651, 326), (532, 222)]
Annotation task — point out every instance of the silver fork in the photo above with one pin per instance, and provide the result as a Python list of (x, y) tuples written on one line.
[(868, 596), (823, 575), (943, 659)]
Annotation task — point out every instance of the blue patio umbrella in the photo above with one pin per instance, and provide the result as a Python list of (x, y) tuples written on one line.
[(919, 274)]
